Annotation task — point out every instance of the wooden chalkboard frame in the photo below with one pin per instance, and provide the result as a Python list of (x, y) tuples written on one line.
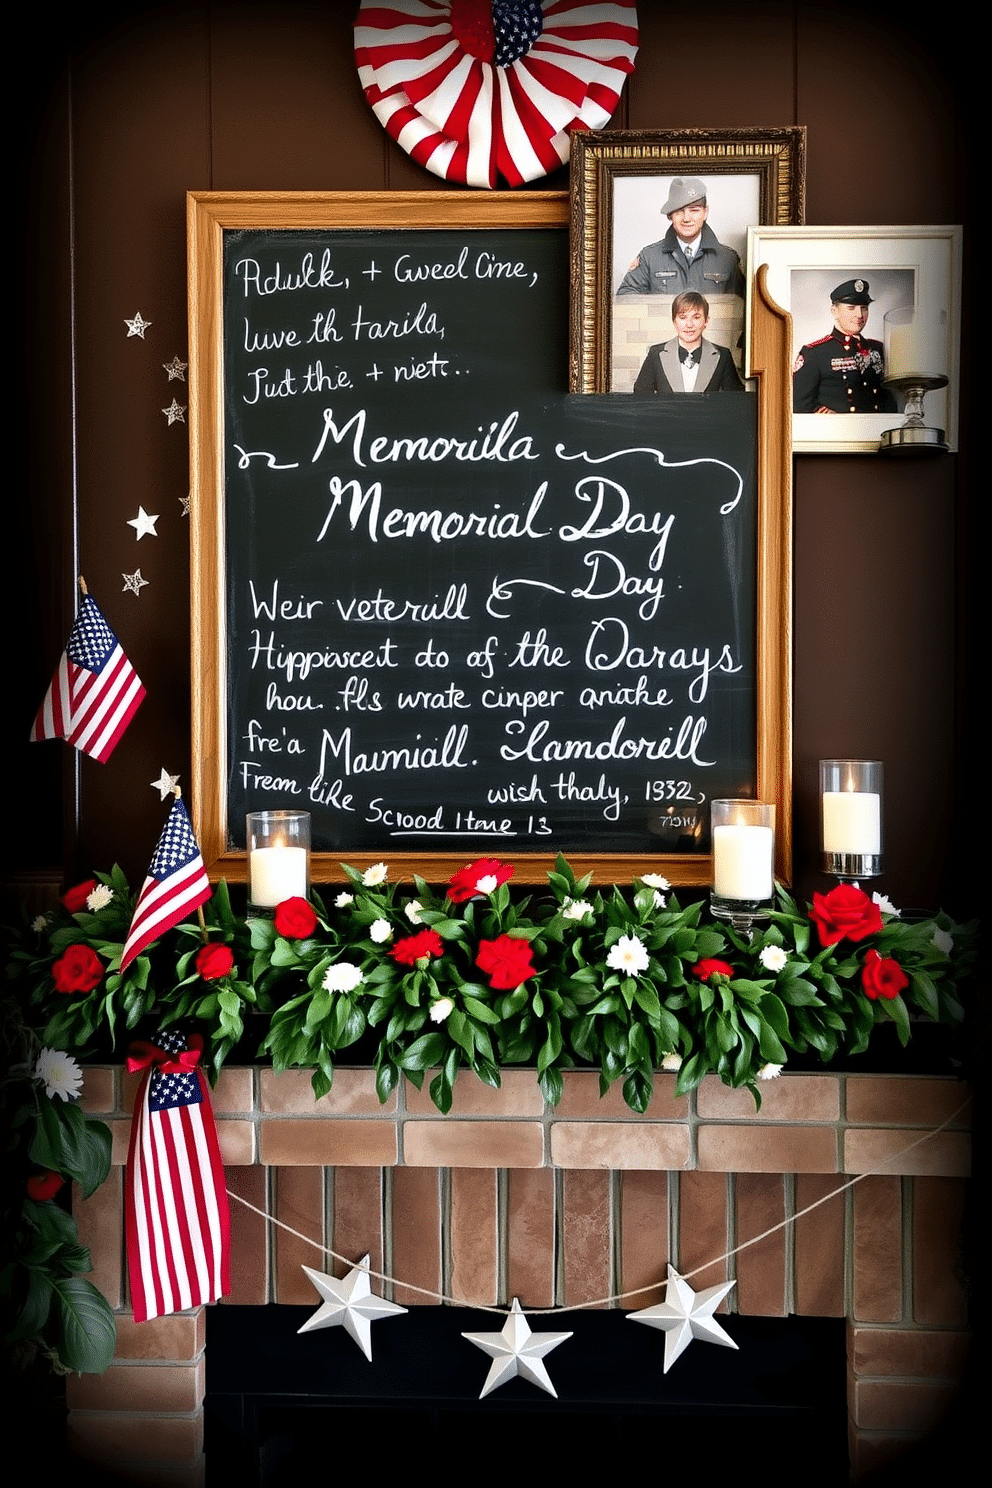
[(209, 214)]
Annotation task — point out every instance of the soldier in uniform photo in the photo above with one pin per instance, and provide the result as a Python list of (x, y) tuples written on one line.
[(689, 256), (688, 363), (843, 372)]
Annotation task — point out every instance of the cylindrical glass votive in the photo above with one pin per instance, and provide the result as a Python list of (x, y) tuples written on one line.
[(851, 817), (743, 859), (278, 857)]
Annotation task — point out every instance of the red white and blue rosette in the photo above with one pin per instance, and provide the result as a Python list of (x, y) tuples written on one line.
[(475, 89)]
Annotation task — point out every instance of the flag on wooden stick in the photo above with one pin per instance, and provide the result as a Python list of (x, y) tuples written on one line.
[(176, 884), (178, 1222), (95, 691)]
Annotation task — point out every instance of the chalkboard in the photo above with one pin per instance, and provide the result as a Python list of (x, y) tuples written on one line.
[(458, 612)]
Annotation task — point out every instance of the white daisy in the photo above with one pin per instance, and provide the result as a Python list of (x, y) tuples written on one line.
[(343, 900), (380, 931), (575, 909), (773, 958), (343, 976), (375, 875), (441, 1009), (60, 1073), (628, 954), (885, 904), (672, 1062), (99, 898), (655, 881), (38, 923), (412, 911), (770, 1071)]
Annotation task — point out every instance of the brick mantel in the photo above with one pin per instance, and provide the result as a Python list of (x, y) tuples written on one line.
[(507, 1197)]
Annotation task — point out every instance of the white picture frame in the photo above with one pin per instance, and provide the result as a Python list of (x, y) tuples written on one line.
[(805, 263)]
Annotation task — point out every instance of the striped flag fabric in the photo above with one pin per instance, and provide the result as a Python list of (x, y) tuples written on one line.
[(177, 1218), (95, 691), (177, 883), (476, 89)]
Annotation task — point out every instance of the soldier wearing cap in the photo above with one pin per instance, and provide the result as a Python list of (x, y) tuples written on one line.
[(843, 372), (689, 256)]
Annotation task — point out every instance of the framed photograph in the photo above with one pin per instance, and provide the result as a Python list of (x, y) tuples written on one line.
[(657, 213), (866, 303)]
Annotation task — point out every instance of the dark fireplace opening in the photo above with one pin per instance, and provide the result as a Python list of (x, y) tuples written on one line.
[(280, 1405)]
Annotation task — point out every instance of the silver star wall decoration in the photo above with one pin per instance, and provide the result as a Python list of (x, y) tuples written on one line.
[(143, 524), (137, 326), (685, 1315), (184, 502), (176, 412), (517, 1351), (134, 582), (165, 784), (176, 370), (349, 1304)]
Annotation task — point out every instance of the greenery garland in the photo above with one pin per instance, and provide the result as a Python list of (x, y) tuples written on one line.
[(467, 977)]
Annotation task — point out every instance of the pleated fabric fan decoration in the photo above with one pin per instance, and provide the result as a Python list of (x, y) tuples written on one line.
[(473, 90)]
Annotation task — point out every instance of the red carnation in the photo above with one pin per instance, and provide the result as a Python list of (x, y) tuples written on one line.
[(214, 961), (881, 976), (295, 919), (412, 948), (463, 884), (845, 911), (78, 970), (711, 966), (44, 1186), (75, 899), (507, 960)]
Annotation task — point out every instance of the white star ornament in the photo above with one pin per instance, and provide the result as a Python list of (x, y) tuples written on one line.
[(686, 1315), (517, 1351), (143, 524), (349, 1304), (165, 784)]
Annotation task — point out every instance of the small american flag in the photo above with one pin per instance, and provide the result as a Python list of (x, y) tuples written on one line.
[(95, 691), (178, 1222), (176, 884)]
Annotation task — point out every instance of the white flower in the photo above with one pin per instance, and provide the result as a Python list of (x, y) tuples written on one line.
[(773, 958), (61, 1074), (575, 909), (380, 931), (377, 874), (99, 898), (672, 1062), (441, 1009), (412, 911), (343, 900), (38, 923), (885, 904), (770, 1071), (659, 900), (629, 955), (655, 881), (486, 884), (943, 940), (343, 976)]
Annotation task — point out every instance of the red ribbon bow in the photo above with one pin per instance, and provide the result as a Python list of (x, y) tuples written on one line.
[(142, 1054)]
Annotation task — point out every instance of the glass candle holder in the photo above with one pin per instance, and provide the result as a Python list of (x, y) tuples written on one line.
[(278, 857), (743, 860), (851, 818)]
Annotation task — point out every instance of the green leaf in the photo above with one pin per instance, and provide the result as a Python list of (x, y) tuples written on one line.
[(87, 1333)]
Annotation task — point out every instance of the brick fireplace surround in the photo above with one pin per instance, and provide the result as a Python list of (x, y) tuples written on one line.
[(505, 1198)]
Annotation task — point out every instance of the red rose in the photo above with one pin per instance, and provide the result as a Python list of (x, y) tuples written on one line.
[(507, 960), (463, 884), (881, 976), (410, 950), (295, 919), (44, 1185), (76, 898), (78, 970), (214, 961), (710, 966), (845, 911)]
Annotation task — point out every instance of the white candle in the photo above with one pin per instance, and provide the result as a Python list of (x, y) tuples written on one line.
[(742, 862), (852, 822), (915, 349), (277, 873)]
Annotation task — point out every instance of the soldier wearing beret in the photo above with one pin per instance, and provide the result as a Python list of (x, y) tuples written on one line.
[(843, 372), (689, 256)]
